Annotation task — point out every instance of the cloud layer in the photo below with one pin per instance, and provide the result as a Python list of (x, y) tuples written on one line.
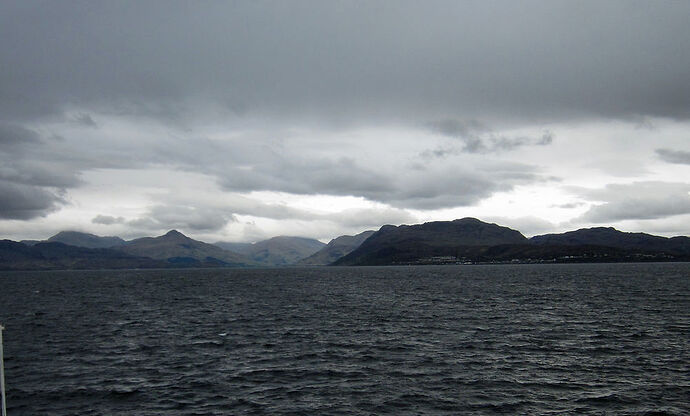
[(638, 201), (674, 156), (347, 60), (398, 110)]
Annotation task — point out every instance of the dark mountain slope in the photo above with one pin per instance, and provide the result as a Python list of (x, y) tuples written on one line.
[(335, 249), (610, 237), (410, 243), (59, 256)]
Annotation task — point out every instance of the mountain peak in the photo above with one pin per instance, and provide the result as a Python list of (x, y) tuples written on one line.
[(468, 220), (409, 243), (175, 247)]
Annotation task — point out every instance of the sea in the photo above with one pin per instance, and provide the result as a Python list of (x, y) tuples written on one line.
[(579, 339)]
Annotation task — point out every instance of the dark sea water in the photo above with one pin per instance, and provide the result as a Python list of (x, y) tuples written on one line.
[(520, 339)]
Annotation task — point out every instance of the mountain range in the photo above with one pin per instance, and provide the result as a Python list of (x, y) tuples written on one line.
[(466, 240), (469, 240), (59, 256)]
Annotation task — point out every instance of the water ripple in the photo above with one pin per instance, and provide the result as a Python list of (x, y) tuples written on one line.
[(547, 339)]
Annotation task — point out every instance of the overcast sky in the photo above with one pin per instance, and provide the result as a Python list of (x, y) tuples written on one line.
[(238, 121)]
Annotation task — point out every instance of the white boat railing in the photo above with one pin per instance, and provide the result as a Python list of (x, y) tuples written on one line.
[(2, 375)]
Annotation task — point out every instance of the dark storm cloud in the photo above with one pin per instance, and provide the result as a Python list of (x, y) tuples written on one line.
[(350, 60), (637, 201), (674, 156), (28, 158), (29, 187), (25, 202)]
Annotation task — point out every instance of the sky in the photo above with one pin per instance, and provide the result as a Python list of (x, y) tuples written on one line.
[(242, 120)]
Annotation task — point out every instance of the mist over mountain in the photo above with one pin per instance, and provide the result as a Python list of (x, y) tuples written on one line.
[(281, 250), (335, 249), (240, 248)]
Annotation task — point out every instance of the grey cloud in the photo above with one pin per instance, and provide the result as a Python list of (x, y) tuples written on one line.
[(28, 188), (342, 176), (529, 226), (48, 159), (350, 218), (435, 187), (16, 135), (454, 186), (26, 158), (191, 218), (623, 168), (674, 156), (546, 139), (469, 131), (370, 217), (108, 220), (498, 143), (440, 152), (478, 138), (637, 201), (26, 202), (240, 205), (85, 119), (493, 60), (243, 165), (445, 191), (458, 128), (356, 219), (39, 173), (568, 205), (175, 211), (670, 227)]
